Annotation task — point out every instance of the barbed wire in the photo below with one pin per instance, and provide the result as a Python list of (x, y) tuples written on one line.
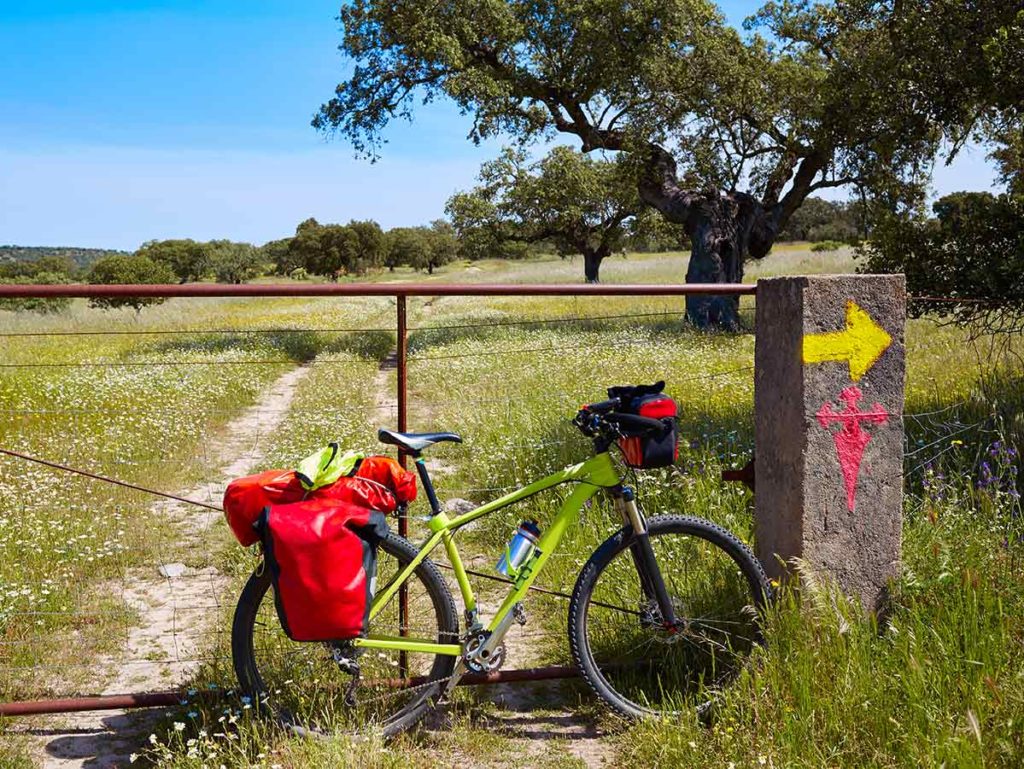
[(942, 424), (341, 329)]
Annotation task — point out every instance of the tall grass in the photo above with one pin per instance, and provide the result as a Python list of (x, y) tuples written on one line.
[(940, 683)]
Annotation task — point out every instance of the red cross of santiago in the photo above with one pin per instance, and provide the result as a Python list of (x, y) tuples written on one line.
[(851, 440)]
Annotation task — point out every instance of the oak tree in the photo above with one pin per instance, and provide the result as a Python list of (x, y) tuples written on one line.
[(580, 204), (128, 269), (729, 133), (187, 259)]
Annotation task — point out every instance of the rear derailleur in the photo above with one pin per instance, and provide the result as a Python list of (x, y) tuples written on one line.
[(345, 655)]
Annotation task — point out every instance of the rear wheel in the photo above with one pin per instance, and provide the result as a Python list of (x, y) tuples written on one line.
[(304, 685), (621, 645)]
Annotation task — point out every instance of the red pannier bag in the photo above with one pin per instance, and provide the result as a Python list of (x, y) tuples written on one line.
[(378, 482), (649, 451), (246, 497), (386, 471), (322, 559)]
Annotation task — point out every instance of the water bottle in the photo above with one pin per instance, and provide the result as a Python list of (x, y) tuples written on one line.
[(519, 550)]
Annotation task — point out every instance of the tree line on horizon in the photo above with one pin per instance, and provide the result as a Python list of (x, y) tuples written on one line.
[(567, 203)]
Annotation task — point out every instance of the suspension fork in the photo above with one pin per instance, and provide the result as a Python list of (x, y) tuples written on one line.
[(643, 555)]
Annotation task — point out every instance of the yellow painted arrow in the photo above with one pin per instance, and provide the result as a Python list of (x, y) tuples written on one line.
[(861, 343)]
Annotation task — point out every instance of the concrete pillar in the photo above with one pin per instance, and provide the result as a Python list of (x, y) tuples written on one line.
[(828, 422)]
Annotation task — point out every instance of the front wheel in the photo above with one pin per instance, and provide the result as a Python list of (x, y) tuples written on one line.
[(618, 639)]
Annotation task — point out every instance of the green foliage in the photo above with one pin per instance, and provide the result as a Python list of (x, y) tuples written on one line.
[(82, 257), (369, 248), (830, 96), (422, 248), (276, 252), (727, 134), (187, 259), (47, 269), (52, 264), (826, 245), (233, 262), (579, 204), (648, 233), (40, 305), (125, 269), (819, 219), (443, 245), (333, 250), (971, 251), (406, 246)]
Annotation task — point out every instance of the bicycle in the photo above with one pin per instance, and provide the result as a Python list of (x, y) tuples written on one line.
[(662, 615)]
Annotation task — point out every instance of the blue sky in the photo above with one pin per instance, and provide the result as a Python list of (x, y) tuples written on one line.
[(126, 121)]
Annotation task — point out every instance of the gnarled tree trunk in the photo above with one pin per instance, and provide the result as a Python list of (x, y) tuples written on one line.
[(592, 258), (725, 230)]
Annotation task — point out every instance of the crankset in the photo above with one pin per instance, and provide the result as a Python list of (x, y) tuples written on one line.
[(480, 656)]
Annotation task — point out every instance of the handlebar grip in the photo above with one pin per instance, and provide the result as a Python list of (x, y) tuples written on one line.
[(602, 407), (635, 422)]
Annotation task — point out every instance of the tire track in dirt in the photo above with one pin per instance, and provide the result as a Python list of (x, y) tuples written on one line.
[(175, 611)]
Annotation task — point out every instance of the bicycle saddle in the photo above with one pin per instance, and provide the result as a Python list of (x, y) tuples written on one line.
[(414, 443)]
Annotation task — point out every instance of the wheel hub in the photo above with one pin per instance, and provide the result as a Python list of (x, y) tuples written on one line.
[(651, 619)]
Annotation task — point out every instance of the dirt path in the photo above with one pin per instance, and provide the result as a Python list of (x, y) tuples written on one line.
[(175, 604), (540, 716), (534, 715)]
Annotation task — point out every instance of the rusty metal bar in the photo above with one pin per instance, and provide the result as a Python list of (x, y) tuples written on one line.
[(744, 475), (103, 702), (377, 289), (401, 385), (172, 699)]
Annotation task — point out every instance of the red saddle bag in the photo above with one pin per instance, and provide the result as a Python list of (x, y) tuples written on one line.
[(322, 559), (246, 497), (387, 472), (377, 483)]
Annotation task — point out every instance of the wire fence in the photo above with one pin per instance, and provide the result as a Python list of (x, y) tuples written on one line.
[(135, 617)]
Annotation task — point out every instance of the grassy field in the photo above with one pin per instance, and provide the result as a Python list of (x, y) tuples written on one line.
[(941, 684)]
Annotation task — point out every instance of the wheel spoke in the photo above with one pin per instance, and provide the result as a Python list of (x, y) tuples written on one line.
[(641, 665), (307, 684)]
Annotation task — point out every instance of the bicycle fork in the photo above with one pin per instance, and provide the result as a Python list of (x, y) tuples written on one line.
[(643, 556)]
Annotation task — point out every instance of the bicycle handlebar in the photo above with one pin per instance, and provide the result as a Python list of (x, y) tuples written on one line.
[(635, 422), (602, 407), (590, 417)]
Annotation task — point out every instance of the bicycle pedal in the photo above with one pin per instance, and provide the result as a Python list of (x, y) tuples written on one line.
[(519, 614)]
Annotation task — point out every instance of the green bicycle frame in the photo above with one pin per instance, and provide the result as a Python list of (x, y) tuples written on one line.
[(591, 476)]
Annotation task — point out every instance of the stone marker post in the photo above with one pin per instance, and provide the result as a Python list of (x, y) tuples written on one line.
[(828, 423)]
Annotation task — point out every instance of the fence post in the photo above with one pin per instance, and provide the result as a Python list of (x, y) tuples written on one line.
[(828, 421), (402, 385)]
